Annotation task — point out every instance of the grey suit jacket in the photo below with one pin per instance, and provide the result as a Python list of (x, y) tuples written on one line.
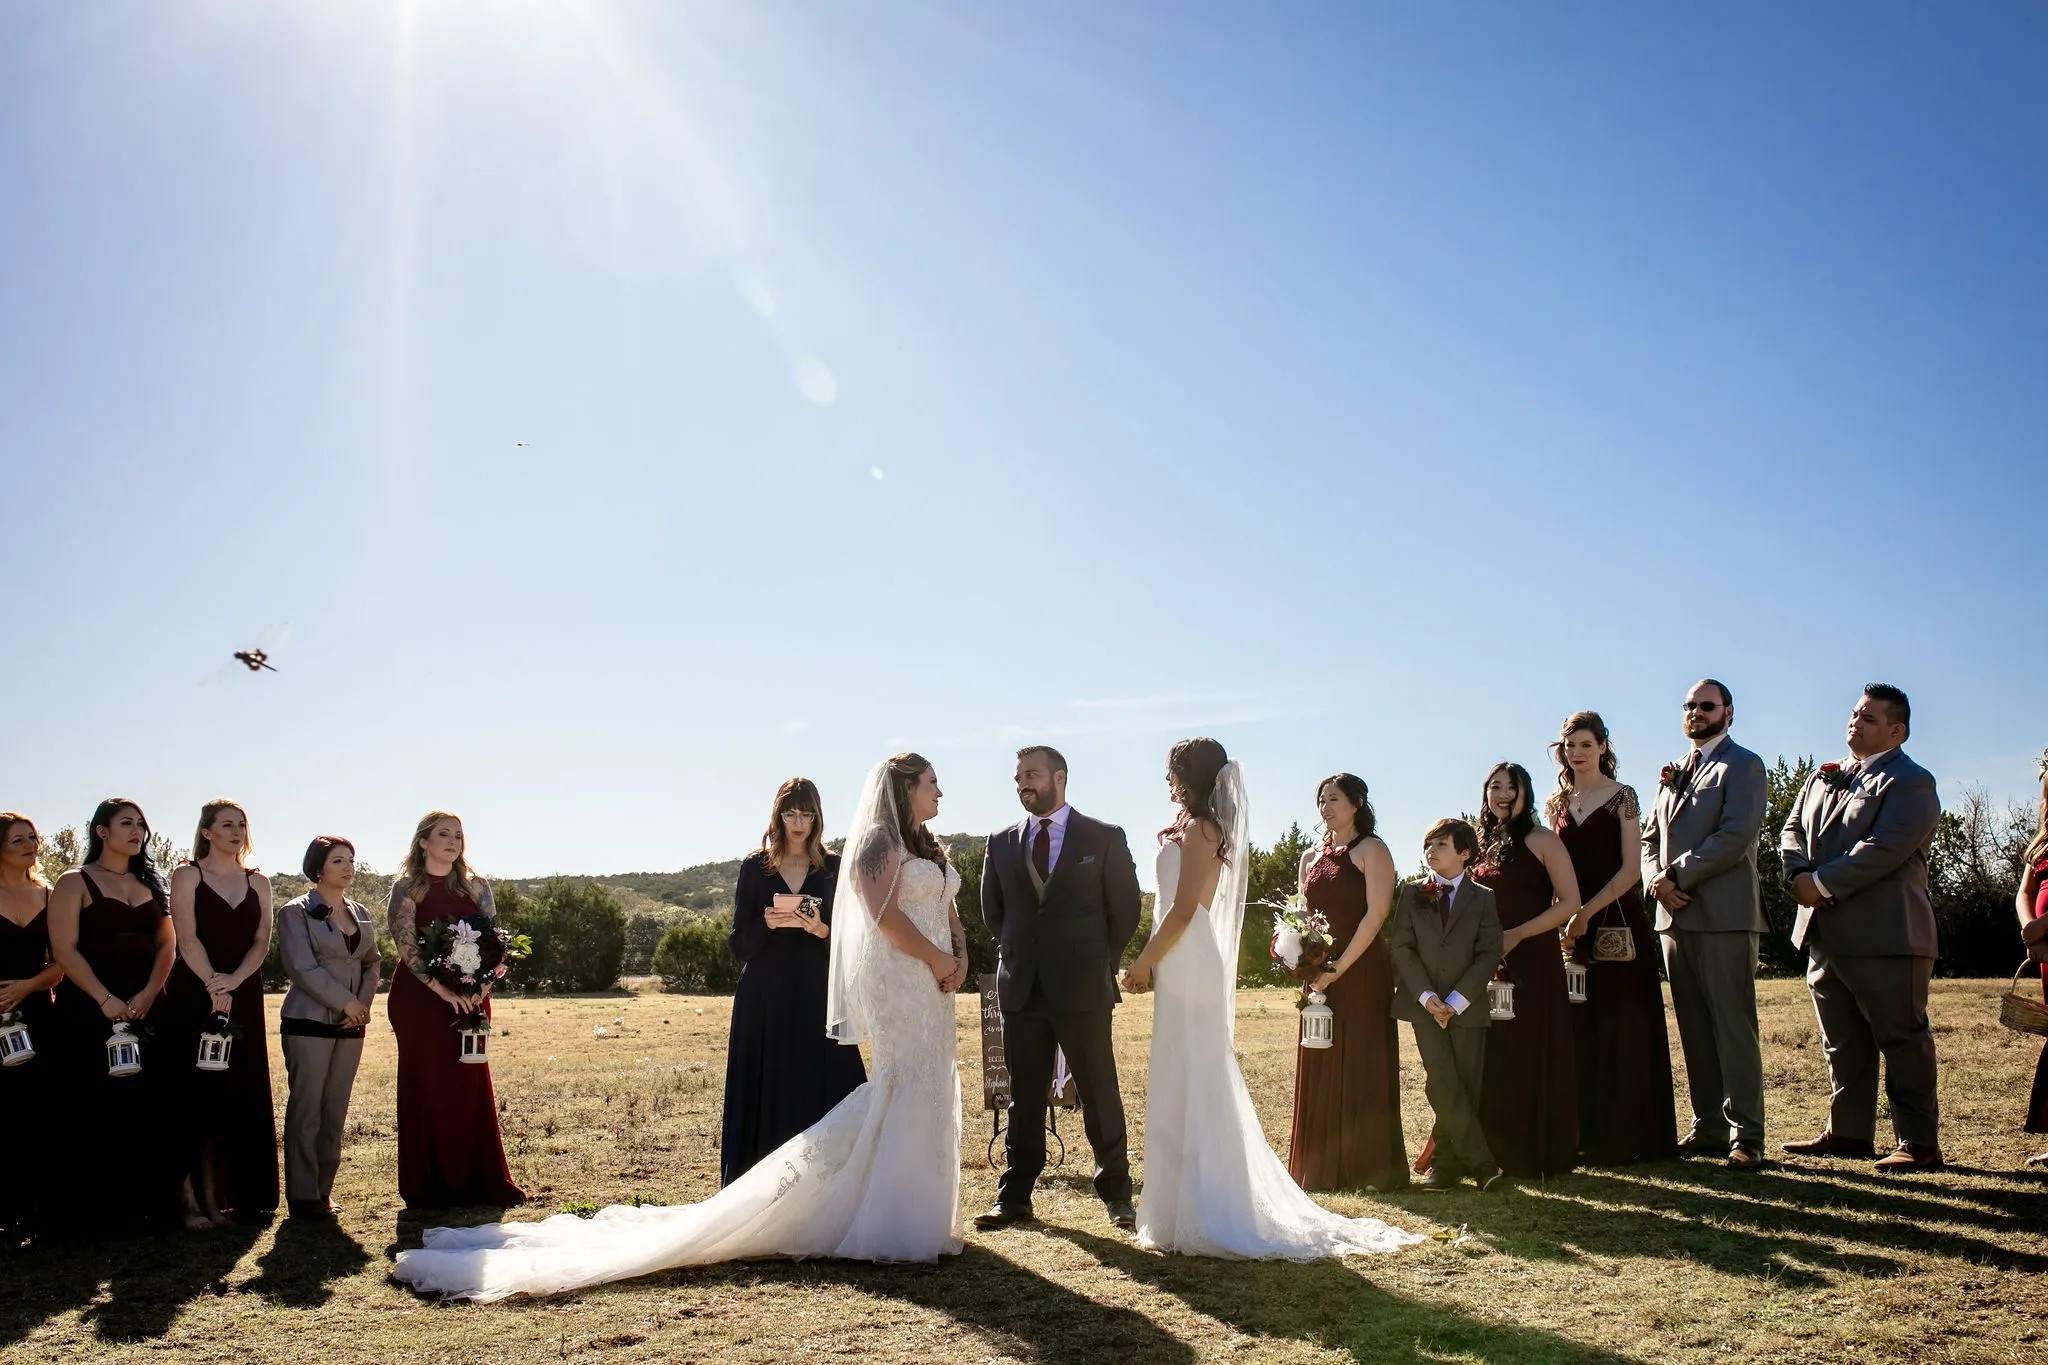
[(324, 974), (1868, 846), (1432, 955), (1706, 839)]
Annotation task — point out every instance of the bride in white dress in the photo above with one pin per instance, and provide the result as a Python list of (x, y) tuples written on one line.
[(1213, 1187), (876, 1179)]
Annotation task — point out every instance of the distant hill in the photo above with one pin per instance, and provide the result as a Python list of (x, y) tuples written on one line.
[(707, 886)]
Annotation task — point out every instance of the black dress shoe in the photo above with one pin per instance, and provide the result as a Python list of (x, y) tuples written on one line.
[(1495, 1179), (1692, 1144), (1121, 1214), (1002, 1215), (1827, 1144), (1439, 1179)]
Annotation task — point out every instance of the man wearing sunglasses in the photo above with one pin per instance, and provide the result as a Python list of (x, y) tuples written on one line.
[(1699, 862)]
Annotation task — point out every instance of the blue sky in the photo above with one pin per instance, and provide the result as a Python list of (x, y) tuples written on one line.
[(632, 405)]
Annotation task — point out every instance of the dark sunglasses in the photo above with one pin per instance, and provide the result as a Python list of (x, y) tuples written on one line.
[(1702, 706)]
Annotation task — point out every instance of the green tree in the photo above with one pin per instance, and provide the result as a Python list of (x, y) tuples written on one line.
[(968, 856), (1783, 781), (1275, 874), (62, 851), (693, 958), (643, 936), (578, 930)]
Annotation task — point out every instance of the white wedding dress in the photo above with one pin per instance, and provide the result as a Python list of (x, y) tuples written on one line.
[(1213, 1187), (876, 1179)]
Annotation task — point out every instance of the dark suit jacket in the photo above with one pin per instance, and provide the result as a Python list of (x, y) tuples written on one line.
[(1071, 942), (1431, 955), (1868, 847)]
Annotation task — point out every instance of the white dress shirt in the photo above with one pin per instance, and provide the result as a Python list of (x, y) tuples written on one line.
[(1057, 835), (1457, 1000)]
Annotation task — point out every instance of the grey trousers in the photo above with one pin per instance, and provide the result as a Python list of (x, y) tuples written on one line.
[(1868, 1006), (323, 1072), (1453, 1064), (1713, 993)]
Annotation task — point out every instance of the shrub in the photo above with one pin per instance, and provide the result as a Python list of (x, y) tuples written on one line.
[(693, 958)]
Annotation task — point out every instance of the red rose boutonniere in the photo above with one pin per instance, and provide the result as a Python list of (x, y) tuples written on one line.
[(1834, 776), (1431, 891), (1670, 777)]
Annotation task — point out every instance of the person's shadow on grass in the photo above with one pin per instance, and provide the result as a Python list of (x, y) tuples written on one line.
[(1331, 1305), (305, 1260)]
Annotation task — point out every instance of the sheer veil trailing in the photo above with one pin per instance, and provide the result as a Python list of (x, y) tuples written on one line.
[(868, 872), (1226, 908)]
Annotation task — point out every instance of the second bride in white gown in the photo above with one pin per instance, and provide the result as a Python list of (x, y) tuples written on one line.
[(1213, 1186), (876, 1179)]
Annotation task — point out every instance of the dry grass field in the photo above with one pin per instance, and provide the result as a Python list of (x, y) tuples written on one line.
[(1819, 1261)]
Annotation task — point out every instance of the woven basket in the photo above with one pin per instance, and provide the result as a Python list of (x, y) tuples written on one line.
[(2022, 1011)]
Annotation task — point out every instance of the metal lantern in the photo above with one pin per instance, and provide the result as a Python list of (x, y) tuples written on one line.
[(476, 1044), (15, 1047), (124, 1052), (1575, 982), (1318, 1023), (1500, 999), (216, 1044)]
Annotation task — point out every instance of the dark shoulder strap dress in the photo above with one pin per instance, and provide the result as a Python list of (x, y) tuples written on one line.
[(1529, 1100)]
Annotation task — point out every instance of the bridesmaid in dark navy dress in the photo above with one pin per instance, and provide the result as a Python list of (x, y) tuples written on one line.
[(1347, 1097), (26, 976), (1626, 1107), (110, 929), (1529, 1100), (782, 1074), (222, 912)]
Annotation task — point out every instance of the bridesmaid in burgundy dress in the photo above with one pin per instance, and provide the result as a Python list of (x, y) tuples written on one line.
[(26, 976), (2032, 904), (1347, 1097), (110, 930), (449, 1151), (1626, 1109), (1529, 1099), (221, 909)]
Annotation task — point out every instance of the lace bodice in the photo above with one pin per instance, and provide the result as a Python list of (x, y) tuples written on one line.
[(924, 895)]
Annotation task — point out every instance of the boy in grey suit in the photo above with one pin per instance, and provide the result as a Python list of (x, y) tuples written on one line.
[(1445, 939), (1699, 862), (1855, 848)]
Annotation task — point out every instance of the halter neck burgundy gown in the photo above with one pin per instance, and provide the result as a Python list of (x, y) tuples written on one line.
[(1347, 1097), (449, 1151)]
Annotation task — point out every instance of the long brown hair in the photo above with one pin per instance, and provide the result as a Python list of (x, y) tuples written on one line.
[(2037, 847), (202, 845), (1567, 780), (415, 868), (1498, 836), (1193, 765), (799, 793), (905, 772), (8, 820)]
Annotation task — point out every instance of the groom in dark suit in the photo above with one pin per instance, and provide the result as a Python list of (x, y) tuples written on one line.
[(1060, 895)]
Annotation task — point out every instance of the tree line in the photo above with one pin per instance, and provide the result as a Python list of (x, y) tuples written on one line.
[(588, 932)]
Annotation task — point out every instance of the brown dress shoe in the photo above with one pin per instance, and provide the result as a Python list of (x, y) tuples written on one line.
[(1746, 1156), (1910, 1157), (1827, 1144)]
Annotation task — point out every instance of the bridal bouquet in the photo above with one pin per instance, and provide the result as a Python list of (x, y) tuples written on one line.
[(1301, 942), (470, 952)]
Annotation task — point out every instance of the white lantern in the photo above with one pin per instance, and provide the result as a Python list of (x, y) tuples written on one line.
[(1318, 1023), (216, 1044), (15, 1047), (1575, 982), (124, 1052), (476, 1044), (1500, 999)]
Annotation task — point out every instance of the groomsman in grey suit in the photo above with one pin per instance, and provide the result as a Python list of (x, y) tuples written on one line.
[(1855, 849), (1699, 862)]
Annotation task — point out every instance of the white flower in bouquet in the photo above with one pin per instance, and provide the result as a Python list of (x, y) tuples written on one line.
[(467, 956), (1287, 945)]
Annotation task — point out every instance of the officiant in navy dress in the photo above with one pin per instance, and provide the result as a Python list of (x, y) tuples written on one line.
[(782, 1074)]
